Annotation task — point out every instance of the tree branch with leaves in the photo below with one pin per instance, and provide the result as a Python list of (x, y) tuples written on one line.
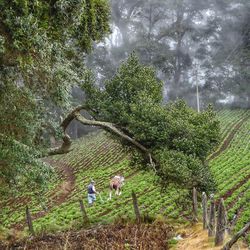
[(172, 138)]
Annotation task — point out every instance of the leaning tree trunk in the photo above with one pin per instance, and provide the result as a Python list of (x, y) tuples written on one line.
[(66, 145), (75, 114)]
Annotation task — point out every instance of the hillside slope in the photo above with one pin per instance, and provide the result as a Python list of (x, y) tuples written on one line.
[(99, 157), (231, 169)]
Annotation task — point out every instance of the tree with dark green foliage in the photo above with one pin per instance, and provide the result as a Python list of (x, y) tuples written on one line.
[(42, 46), (42, 50), (173, 138)]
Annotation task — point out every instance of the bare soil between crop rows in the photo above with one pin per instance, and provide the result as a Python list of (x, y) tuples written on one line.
[(59, 195), (228, 139), (197, 238)]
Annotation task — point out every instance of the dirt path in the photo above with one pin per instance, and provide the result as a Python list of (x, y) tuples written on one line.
[(59, 194), (197, 239), (230, 191)]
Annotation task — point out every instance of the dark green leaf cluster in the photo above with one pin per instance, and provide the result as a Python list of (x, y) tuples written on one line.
[(19, 124), (46, 41), (26, 24), (42, 49), (19, 164)]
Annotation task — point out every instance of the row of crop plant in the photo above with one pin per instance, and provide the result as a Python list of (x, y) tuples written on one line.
[(98, 157), (232, 173)]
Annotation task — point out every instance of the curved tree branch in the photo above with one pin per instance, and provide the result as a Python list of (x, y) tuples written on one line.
[(75, 114), (111, 127), (66, 145)]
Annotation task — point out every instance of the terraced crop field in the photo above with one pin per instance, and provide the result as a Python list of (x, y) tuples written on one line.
[(98, 157), (232, 172)]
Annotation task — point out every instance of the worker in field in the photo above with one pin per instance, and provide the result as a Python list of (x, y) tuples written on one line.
[(91, 193), (116, 184)]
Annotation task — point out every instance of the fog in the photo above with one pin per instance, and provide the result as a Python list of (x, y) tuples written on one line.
[(189, 42)]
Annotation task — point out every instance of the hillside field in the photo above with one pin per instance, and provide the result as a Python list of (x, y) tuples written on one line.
[(98, 157)]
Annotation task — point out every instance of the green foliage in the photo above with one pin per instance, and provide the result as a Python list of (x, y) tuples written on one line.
[(47, 40), (18, 109), (31, 23), (42, 47), (97, 156), (133, 85), (185, 170), (234, 187), (19, 165), (2, 40), (175, 133)]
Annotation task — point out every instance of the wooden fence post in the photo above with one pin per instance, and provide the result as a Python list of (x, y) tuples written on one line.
[(29, 221), (221, 224), (204, 210), (195, 205), (211, 221), (84, 213), (230, 243), (136, 208)]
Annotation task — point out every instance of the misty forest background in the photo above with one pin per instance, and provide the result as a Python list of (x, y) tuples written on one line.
[(188, 43)]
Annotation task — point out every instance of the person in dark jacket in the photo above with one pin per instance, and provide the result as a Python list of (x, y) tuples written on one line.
[(91, 193)]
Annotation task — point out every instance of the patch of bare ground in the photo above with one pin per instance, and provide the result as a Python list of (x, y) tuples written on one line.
[(112, 237), (197, 239), (59, 194)]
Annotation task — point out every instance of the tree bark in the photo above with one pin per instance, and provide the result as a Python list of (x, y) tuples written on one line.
[(84, 213), (180, 34), (221, 224), (66, 145), (111, 128), (195, 205), (211, 218), (204, 210), (230, 243), (75, 114), (136, 208), (29, 221)]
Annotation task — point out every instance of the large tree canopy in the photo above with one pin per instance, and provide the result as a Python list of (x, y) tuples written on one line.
[(178, 138), (42, 49)]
